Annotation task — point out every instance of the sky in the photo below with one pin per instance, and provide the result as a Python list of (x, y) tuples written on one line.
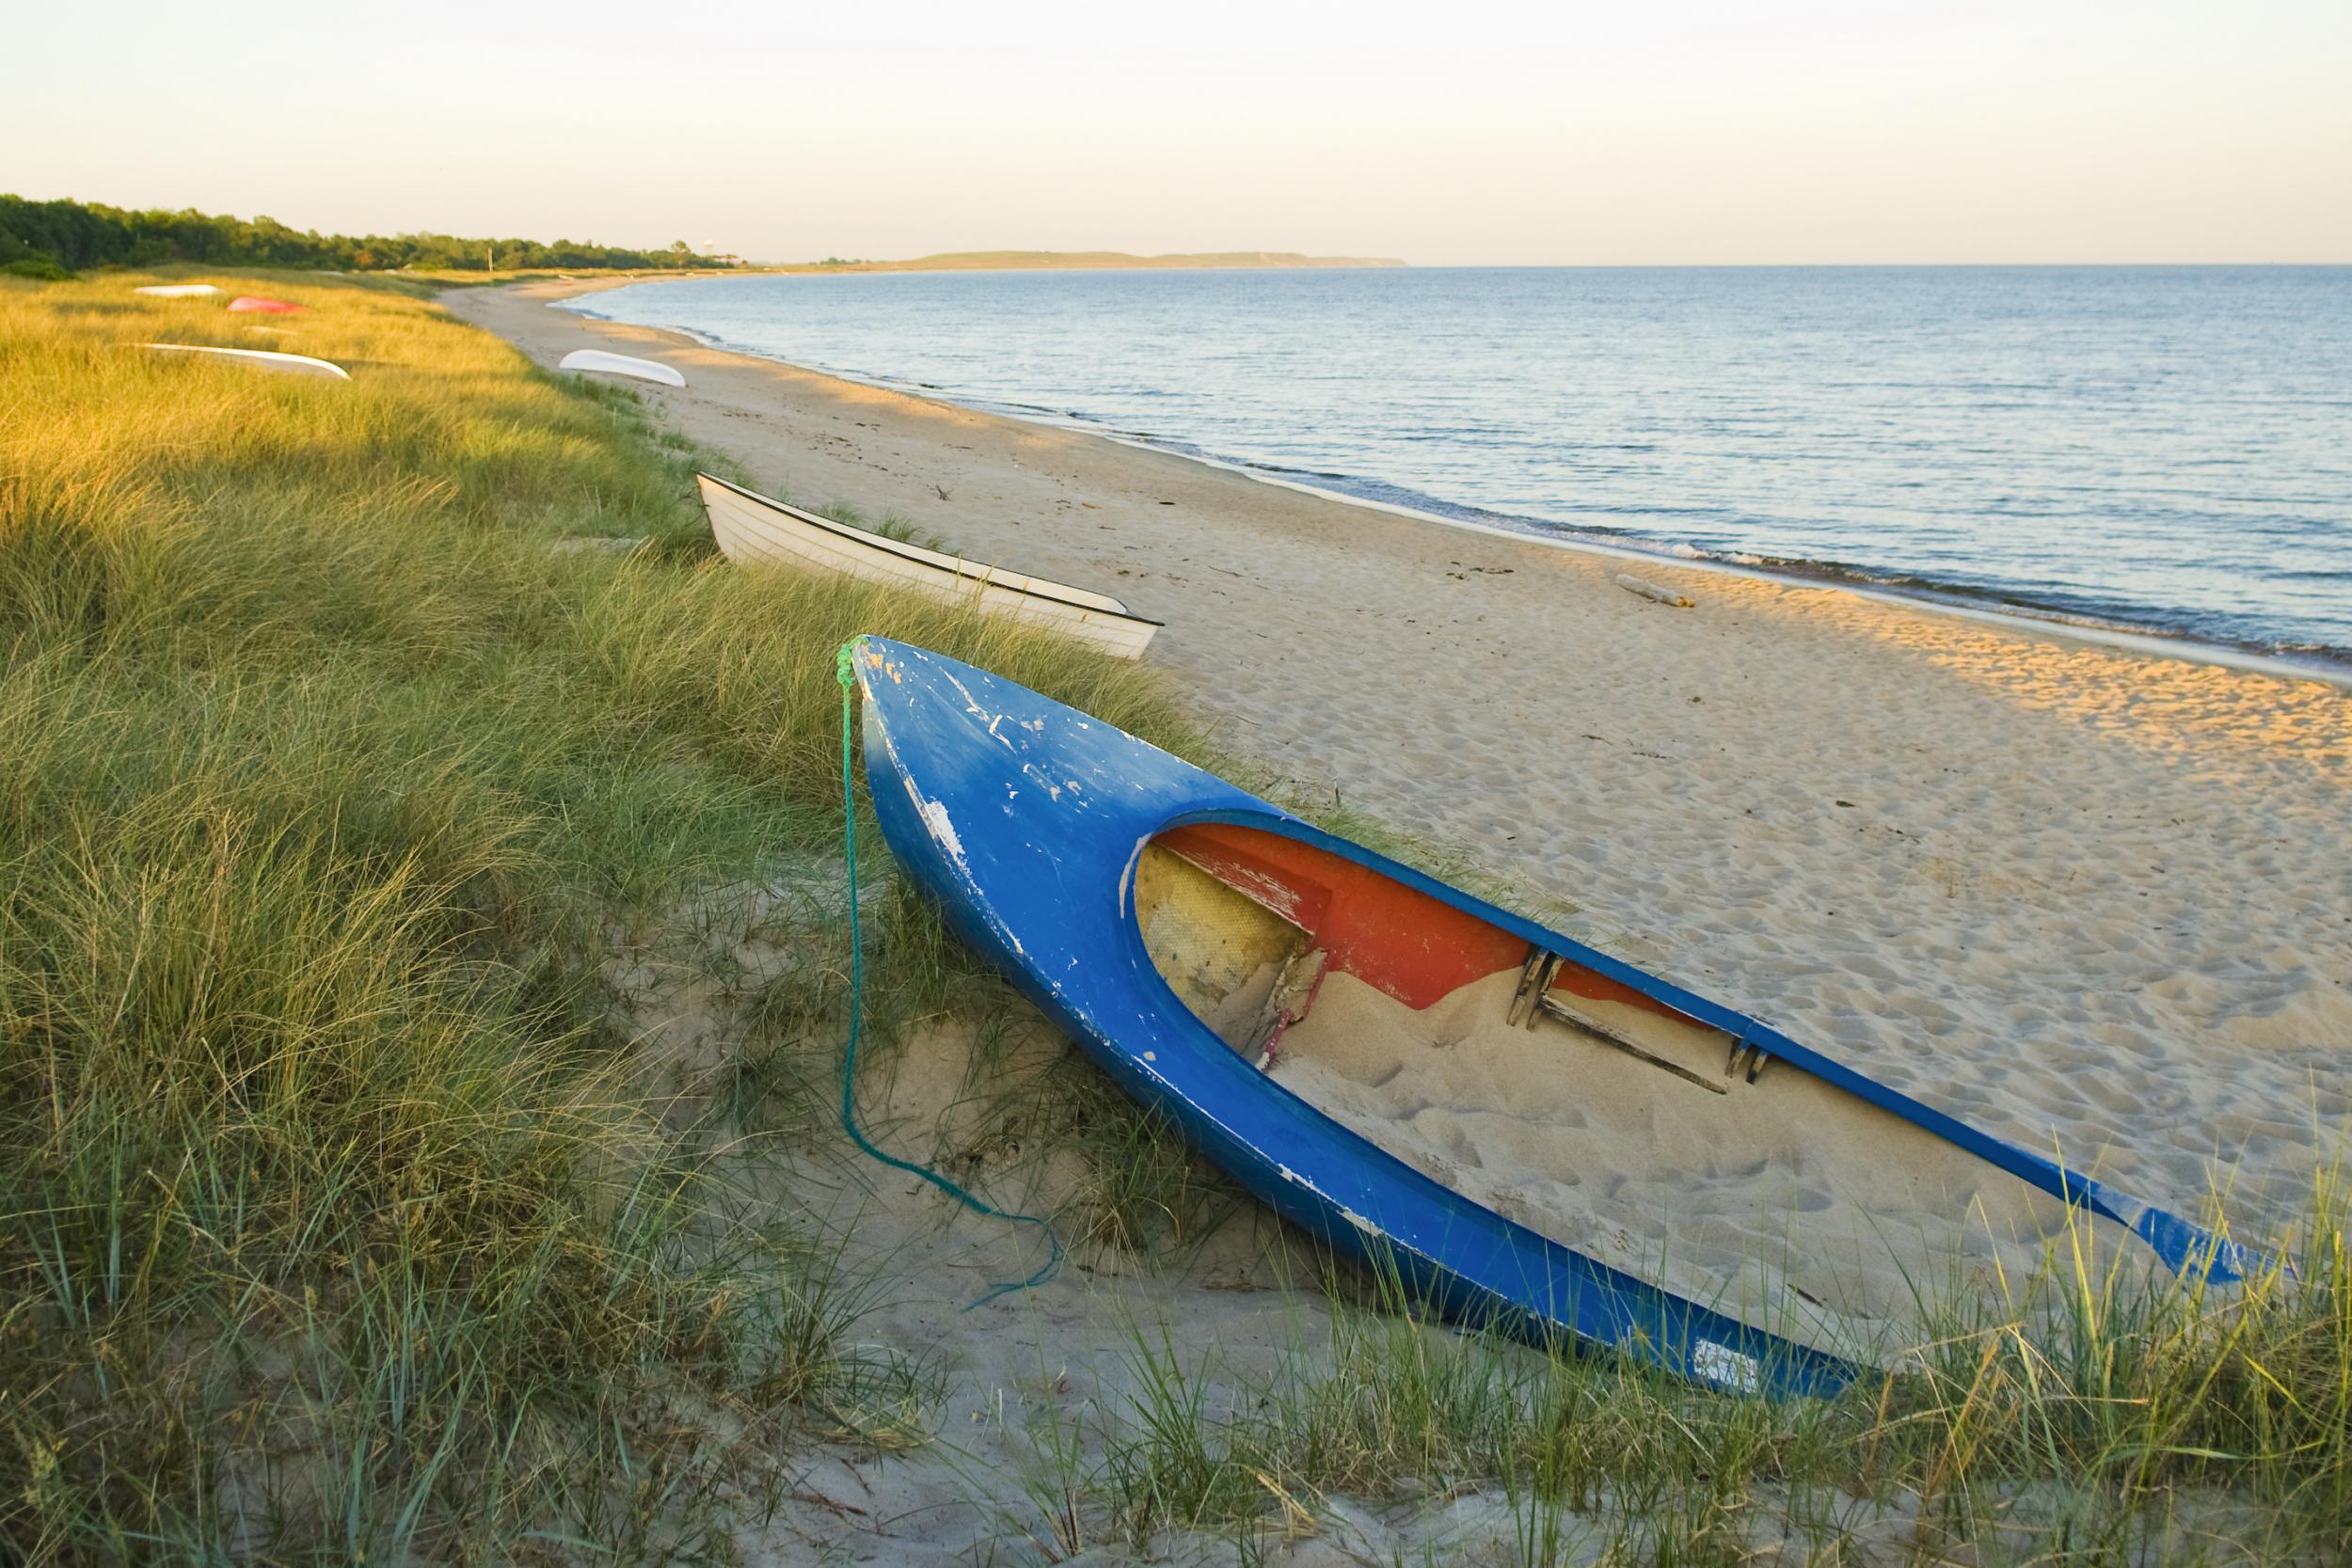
[(1811, 130)]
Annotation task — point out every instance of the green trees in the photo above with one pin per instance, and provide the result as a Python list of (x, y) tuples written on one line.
[(77, 234)]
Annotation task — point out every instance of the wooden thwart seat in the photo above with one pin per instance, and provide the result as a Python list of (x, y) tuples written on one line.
[(1535, 998)]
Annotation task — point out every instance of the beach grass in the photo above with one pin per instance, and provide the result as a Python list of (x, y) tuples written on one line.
[(338, 1217), (2080, 1421)]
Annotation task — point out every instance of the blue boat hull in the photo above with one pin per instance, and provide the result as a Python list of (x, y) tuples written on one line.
[(1027, 820)]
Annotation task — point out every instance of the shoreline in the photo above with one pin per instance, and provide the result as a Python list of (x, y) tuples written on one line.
[(2330, 665), (2161, 644), (2083, 897)]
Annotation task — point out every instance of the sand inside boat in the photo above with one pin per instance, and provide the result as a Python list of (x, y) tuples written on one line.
[(1786, 1202)]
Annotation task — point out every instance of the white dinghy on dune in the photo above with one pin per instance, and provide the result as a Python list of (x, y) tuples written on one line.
[(753, 529), (620, 364), (177, 291), (293, 364)]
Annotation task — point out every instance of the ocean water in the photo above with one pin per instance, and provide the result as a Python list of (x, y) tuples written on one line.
[(2162, 449)]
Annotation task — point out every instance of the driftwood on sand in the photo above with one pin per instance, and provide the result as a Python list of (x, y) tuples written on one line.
[(1650, 590)]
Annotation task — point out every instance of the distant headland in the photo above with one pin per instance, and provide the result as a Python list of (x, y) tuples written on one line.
[(984, 261), (55, 239)]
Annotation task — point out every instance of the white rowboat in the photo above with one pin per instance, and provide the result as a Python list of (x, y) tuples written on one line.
[(753, 529), (177, 291), (297, 364), (620, 364)]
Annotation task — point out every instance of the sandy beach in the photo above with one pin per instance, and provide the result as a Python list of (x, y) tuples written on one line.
[(2094, 900)]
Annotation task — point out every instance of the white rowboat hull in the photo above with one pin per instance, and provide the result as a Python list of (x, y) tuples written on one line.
[(296, 364), (177, 291), (755, 530), (620, 364)]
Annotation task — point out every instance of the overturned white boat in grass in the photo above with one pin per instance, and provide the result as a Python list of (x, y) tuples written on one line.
[(293, 364), (753, 529), (603, 363), (176, 291)]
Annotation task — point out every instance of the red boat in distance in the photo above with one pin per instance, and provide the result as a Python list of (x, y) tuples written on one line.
[(263, 304)]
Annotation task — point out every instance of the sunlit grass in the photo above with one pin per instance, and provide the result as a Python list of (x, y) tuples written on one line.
[(2150, 1425)]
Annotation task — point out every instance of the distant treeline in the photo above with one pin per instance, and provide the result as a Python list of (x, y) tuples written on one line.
[(77, 234)]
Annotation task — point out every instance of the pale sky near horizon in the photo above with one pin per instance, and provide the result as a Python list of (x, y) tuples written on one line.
[(1819, 131)]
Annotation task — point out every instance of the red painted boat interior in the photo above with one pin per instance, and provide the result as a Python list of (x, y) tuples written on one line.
[(1416, 948)]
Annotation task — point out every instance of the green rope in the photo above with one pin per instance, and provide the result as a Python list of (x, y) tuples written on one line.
[(845, 670)]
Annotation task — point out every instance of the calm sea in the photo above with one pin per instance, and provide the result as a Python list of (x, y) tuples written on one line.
[(2166, 448)]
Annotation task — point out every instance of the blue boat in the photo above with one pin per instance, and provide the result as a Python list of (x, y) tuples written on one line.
[(1531, 1133)]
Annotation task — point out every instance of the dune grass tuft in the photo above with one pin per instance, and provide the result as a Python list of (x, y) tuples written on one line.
[(2135, 1424)]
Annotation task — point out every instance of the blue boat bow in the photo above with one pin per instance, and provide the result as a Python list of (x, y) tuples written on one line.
[(1029, 821)]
